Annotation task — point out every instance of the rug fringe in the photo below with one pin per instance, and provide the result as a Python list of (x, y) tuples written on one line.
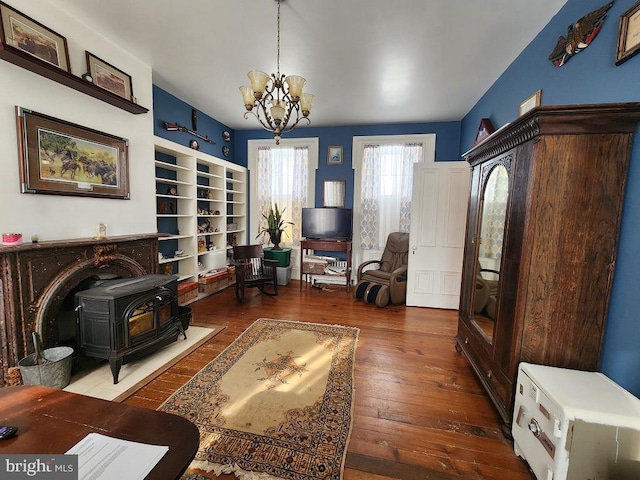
[(219, 469)]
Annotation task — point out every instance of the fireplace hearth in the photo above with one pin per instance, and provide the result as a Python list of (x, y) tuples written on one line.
[(125, 319), (36, 279)]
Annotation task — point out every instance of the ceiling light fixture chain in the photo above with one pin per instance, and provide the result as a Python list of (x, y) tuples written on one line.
[(276, 98)]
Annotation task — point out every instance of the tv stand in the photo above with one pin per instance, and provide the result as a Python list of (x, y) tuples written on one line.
[(328, 245)]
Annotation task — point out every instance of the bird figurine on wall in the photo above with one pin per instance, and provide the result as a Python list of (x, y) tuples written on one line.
[(579, 36)]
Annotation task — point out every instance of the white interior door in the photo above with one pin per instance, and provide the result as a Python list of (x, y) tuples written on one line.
[(436, 245)]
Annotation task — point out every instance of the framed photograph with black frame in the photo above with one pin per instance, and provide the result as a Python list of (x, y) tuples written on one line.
[(27, 35), (334, 156), (62, 158), (109, 77), (628, 34)]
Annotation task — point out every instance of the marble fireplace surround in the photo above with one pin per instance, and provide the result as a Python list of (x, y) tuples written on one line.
[(36, 278)]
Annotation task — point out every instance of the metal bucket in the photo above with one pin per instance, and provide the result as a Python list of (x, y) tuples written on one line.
[(54, 372)]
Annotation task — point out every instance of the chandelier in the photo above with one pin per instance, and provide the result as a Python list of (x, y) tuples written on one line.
[(277, 99)]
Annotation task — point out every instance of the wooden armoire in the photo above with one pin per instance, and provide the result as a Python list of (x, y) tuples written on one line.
[(544, 214)]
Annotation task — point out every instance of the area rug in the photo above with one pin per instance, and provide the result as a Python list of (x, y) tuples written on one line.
[(276, 404)]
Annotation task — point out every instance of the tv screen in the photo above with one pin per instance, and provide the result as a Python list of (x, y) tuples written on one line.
[(327, 223)]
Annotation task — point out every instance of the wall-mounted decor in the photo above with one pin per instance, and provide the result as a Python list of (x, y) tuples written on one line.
[(334, 156), (29, 36), (226, 136), (61, 158), (628, 34), (530, 103), (225, 151), (109, 77), (485, 128), (174, 127), (333, 193), (579, 35)]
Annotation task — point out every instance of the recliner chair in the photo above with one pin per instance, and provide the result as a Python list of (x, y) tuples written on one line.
[(387, 283)]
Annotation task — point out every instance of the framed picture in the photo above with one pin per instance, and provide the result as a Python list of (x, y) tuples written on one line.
[(29, 36), (333, 193), (530, 103), (61, 158), (628, 34), (484, 130), (334, 157), (109, 77)]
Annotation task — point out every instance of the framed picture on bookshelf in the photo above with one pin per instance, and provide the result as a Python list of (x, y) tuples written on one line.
[(29, 36), (109, 77)]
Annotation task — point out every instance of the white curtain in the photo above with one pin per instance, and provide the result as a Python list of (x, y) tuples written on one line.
[(283, 178), (385, 197)]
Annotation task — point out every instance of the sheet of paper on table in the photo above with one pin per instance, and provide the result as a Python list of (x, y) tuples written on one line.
[(104, 458)]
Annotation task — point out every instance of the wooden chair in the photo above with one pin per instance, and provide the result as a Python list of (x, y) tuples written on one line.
[(253, 270)]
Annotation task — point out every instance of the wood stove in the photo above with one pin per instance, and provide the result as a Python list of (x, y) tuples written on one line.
[(124, 319)]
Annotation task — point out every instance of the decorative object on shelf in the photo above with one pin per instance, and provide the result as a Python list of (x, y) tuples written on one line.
[(226, 136), (162, 208), (579, 35), (178, 253), (530, 103), (87, 77), (194, 144), (11, 239), (484, 130), (275, 226), (29, 36), (204, 227), (168, 269), (109, 77), (334, 155), (34, 238), (217, 212), (628, 34), (225, 150), (174, 127), (101, 231), (202, 245), (172, 190), (277, 99), (62, 158)]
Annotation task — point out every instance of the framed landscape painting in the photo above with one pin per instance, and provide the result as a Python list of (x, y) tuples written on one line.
[(29, 36), (61, 158), (109, 77)]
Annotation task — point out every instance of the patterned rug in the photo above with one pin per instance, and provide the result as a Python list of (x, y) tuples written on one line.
[(276, 404)]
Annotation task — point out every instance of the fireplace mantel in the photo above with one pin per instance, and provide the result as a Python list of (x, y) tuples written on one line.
[(35, 279)]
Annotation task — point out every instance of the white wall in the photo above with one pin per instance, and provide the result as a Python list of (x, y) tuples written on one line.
[(56, 217)]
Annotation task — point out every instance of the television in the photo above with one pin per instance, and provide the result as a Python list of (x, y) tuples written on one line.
[(327, 223)]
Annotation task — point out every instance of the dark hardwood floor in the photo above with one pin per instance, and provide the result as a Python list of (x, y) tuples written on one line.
[(420, 412)]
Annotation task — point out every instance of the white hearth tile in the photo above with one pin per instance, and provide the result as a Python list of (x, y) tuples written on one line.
[(99, 382)]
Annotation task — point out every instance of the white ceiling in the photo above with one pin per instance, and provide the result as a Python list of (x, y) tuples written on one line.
[(367, 61)]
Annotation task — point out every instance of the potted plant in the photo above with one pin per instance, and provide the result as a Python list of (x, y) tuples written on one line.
[(275, 226)]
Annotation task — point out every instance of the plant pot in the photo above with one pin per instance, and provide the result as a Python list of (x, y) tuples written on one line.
[(275, 236)]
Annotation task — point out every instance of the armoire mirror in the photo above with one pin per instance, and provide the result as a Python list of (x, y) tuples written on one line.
[(493, 211)]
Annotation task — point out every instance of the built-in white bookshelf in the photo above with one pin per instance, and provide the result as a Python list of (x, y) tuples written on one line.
[(201, 208)]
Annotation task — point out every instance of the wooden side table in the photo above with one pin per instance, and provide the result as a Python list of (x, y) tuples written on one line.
[(327, 245)]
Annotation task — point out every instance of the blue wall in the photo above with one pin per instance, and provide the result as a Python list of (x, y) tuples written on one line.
[(589, 77), (167, 108)]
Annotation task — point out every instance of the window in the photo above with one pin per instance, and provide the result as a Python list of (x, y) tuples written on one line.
[(384, 181), (283, 174)]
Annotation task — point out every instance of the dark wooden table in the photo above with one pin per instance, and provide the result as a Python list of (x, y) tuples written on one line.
[(53, 421), (329, 245)]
